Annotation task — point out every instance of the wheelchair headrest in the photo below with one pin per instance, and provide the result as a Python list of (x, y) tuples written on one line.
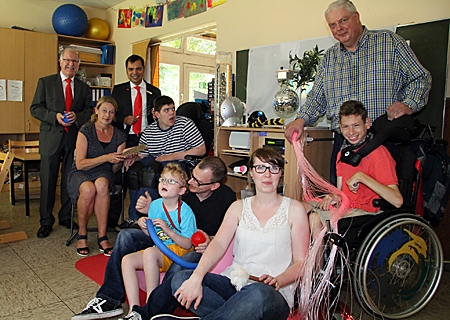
[(191, 110)]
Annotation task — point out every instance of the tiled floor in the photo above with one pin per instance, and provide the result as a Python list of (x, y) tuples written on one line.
[(38, 279)]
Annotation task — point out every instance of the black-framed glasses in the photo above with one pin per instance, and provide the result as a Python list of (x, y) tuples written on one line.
[(169, 181), (272, 169), (201, 183), (71, 60)]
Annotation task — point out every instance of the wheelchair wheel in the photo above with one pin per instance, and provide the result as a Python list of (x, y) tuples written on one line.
[(398, 267)]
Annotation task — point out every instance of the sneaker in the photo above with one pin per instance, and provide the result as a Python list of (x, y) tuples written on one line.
[(132, 316), (171, 316), (99, 308), (128, 223)]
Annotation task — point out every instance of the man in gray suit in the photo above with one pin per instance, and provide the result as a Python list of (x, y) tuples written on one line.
[(63, 104)]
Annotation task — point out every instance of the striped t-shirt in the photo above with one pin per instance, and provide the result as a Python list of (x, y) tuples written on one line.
[(182, 136)]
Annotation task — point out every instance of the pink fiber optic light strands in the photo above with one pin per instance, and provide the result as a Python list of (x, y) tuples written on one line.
[(316, 281)]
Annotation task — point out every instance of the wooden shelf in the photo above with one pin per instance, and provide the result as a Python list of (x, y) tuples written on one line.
[(317, 151)]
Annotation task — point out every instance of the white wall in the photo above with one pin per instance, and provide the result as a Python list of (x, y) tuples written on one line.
[(241, 24)]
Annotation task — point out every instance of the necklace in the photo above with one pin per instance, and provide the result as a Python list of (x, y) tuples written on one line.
[(170, 219)]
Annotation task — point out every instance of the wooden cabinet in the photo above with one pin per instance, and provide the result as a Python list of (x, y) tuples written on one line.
[(317, 150), (25, 56), (92, 68), (41, 59)]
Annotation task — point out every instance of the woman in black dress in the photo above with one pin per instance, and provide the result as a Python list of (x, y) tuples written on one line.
[(97, 158)]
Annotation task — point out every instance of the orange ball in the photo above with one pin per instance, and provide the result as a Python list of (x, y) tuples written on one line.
[(97, 29)]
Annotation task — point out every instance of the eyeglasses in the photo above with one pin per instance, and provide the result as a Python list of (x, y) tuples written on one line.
[(262, 169), (169, 181), (201, 183), (71, 60), (341, 22)]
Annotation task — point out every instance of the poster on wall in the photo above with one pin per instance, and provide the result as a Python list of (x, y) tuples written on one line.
[(154, 16), (215, 3), (175, 9), (138, 19), (193, 7), (124, 18)]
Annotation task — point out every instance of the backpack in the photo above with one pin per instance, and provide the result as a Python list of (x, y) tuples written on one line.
[(432, 153), (143, 175)]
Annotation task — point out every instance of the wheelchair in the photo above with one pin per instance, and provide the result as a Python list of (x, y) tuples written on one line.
[(396, 257)]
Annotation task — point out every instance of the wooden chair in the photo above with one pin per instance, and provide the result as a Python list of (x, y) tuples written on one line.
[(31, 146), (6, 159), (27, 153)]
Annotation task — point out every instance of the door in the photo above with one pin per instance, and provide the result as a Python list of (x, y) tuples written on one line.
[(196, 80)]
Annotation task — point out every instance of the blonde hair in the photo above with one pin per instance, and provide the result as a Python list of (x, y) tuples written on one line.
[(175, 169), (104, 99)]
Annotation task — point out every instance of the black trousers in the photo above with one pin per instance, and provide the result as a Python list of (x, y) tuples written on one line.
[(49, 177)]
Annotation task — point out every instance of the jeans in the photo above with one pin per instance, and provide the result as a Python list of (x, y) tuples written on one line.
[(161, 299), (222, 301), (128, 241)]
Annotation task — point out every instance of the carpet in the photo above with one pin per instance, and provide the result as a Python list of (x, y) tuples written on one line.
[(94, 267)]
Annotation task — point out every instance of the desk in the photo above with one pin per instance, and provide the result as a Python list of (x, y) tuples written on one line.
[(25, 158)]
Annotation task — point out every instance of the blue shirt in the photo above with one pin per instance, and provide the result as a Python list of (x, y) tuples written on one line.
[(187, 226), (381, 71)]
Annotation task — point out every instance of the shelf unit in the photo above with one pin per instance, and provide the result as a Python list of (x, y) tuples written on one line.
[(92, 68), (317, 150)]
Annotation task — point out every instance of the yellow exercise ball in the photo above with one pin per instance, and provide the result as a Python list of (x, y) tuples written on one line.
[(97, 29)]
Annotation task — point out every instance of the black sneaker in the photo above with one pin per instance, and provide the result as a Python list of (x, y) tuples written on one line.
[(132, 316), (99, 308), (126, 225), (171, 316)]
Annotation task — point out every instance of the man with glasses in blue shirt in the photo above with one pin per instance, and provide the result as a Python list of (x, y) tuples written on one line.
[(376, 67), (208, 198)]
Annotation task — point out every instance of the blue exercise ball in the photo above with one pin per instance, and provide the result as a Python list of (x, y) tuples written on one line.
[(70, 20)]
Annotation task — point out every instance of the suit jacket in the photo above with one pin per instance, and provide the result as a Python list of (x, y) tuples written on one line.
[(48, 101), (122, 94)]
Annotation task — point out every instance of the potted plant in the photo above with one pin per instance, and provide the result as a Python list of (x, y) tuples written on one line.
[(306, 67)]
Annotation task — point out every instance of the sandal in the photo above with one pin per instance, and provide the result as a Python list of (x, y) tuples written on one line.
[(84, 252), (106, 251)]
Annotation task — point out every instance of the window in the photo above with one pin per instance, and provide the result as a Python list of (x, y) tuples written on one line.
[(187, 65)]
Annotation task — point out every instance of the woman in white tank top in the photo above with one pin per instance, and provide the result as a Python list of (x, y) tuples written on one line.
[(271, 239)]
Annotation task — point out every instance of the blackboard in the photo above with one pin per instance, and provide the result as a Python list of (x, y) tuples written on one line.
[(429, 42)]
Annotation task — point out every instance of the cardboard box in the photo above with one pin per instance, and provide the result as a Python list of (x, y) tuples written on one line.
[(89, 57)]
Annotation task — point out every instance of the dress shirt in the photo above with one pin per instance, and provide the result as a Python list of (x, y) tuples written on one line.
[(381, 71)]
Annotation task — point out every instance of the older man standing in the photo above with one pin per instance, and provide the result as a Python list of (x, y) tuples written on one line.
[(63, 104), (377, 68)]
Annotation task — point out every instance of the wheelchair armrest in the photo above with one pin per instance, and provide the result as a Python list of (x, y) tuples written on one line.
[(384, 205), (191, 157)]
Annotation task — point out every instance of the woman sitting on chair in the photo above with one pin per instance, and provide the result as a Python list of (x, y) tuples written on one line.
[(271, 240), (97, 157)]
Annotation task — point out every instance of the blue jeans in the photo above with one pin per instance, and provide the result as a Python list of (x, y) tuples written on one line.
[(221, 301), (161, 299), (128, 241)]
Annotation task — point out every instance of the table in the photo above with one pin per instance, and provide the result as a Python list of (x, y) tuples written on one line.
[(26, 158)]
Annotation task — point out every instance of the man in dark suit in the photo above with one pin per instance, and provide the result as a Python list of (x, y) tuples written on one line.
[(126, 93), (135, 113), (63, 104)]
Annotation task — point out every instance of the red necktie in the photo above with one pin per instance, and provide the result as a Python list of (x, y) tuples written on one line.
[(69, 99), (138, 111)]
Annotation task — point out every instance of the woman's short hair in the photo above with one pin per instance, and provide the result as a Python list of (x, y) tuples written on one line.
[(100, 102), (267, 155)]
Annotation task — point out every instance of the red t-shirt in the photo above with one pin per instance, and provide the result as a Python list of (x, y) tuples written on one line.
[(379, 165)]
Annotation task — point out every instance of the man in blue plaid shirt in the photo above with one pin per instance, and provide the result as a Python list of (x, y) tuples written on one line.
[(377, 68)]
